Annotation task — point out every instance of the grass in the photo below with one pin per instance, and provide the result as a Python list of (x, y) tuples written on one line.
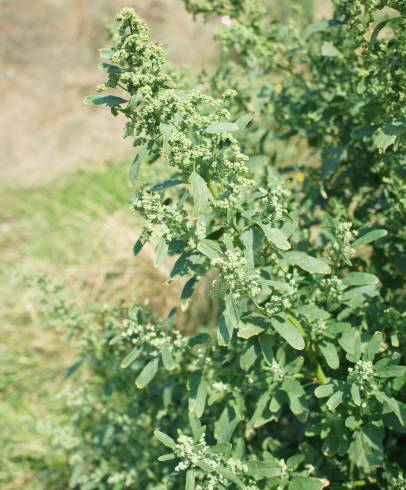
[(80, 229)]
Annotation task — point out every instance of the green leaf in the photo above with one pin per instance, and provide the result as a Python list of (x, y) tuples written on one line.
[(248, 240), (221, 127), (226, 473), (147, 374), (302, 483), (187, 292), (165, 439), (106, 53), (393, 406), (378, 29), (200, 194), (224, 331), (329, 50), (190, 480), (360, 279), (229, 321), (331, 159), (248, 330), (350, 341), (161, 252), (295, 392), (139, 244), (356, 395), (136, 164), (313, 312), (166, 457), (374, 345), (366, 449), (167, 359), (197, 428), (167, 184), (357, 296), (323, 391), (369, 237), (210, 249), (226, 424), (188, 263), (259, 417), (276, 237), (109, 100), (390, 371), (307, 263), (319, 26), (243, 121), (198, 393), (329, 353), (249, 356), (263, 469), (131, 357), (335, 400), (288, 331), (265, 342)]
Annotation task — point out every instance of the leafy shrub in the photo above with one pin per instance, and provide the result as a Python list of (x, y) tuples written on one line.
[(301, 382)]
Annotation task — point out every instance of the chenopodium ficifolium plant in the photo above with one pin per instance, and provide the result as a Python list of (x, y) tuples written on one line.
[(303, 386)]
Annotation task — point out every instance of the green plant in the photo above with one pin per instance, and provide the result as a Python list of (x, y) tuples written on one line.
[(301, 383)]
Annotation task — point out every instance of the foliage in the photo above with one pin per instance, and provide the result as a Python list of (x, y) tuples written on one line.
[(301, 385)]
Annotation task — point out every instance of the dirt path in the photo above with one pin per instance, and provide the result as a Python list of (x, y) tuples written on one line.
[(48, 58)]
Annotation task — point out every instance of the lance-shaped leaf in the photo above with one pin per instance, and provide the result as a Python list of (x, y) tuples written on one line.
[(167, 184), (243, 121), (198, 393), (200, 194), (226, 424), (229, 321), (161, 252), (369, 237), (264, 469), (265, 342), (165, 439), (221, 127), (335, 400), (302, 483), (210, 248), (131, 357), (229, 475), (360, 279), (140, 157), (147, 374), (288, 331), (329, 353), (378, 28), (167, 359), (109, 100), (190, 480), (249, 356), (276, 237), (307, 263)]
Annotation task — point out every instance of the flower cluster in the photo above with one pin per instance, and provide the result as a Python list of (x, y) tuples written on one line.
[(278, 373), (161, 220), (276, 207), (197, 454), (153, 335), (234, 275), (186, 125), (363, 375), (280, 301), (344, 235)]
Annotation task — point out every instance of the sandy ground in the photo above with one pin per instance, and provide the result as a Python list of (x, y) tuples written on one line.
[(48, 63)]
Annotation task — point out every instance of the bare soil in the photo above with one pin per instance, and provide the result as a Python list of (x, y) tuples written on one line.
[(48, 63)]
